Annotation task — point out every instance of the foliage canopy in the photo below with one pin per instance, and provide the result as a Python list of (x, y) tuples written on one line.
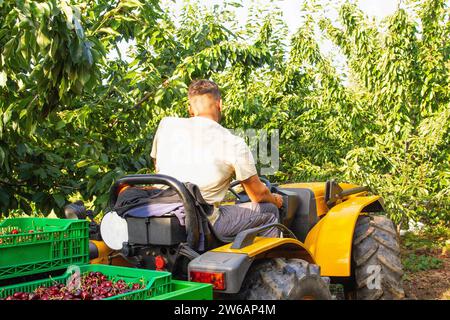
[(72, 120)]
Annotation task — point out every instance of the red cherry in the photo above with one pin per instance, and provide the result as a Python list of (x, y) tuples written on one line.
[(85, 296), (18, 295), (136, 286)]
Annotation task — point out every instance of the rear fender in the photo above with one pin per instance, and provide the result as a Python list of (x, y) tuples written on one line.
[(330, 240), (263, 247), (235, 263)]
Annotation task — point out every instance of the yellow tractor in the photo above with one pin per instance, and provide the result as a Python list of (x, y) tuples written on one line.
[(333, 236)]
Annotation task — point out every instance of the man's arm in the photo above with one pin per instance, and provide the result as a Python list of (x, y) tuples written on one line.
[(258, 192), (153, 152)]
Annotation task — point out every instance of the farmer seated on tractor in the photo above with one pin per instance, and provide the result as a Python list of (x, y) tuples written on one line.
[(200, 151)]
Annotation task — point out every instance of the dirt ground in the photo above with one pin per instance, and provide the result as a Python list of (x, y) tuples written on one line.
[(431, 284)]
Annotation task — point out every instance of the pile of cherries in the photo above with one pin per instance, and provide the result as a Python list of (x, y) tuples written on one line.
[(8, 235), (93, 286), (16, 230)]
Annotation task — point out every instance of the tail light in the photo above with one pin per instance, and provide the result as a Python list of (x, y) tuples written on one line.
[(160, 263), (217, 279)]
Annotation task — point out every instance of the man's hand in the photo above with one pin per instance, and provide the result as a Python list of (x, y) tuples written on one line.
[(258, 192), (278, 200), (154, 164)]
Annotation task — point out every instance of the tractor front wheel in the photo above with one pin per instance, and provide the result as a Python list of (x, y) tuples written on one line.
[(284, 279), (376, 260)]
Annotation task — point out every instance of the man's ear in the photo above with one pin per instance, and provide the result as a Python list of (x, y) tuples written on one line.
[(220, 105), (191, 111)]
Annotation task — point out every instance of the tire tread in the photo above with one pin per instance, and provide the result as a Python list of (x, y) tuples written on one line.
[(376, 242)]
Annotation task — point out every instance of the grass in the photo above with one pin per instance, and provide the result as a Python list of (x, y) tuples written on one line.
[(430, 238), (420, 249), (425, 262), (415, 263)]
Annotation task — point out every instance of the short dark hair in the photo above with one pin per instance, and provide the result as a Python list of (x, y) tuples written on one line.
[(203, 86)]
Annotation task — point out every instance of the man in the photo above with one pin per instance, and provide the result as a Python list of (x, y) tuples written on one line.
[(199, 150)]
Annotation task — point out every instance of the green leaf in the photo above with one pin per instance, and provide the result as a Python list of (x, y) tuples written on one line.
[(41, 173), (78, 28), (76, 52), (68, 13), (61, 124), (159, 96), (2, 156), (3, 78), (39, 196), (92, 170), (83, 163), (59, 199), (130, 3), (109, 30), (42, 40)]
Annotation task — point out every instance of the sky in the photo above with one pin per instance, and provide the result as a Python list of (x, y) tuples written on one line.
[(376, 9)]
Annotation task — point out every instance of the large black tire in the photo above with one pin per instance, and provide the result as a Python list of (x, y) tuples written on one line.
[(376, 252), (284, 279)]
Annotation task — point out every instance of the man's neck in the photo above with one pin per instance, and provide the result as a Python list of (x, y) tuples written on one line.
[(207, 116)]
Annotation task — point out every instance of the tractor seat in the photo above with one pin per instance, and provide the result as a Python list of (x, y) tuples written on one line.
[(306, 213), (214, 240), (195, 209)]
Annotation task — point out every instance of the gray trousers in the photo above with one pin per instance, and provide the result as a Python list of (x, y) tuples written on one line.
[(236, 218)]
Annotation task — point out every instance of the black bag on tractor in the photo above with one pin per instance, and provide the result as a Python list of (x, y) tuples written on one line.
[(330, 234)]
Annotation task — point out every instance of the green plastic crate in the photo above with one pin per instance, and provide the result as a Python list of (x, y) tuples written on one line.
[(61, 243), (157, 282), (186, 290)]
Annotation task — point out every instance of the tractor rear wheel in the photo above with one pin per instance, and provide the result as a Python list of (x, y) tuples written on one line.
[(376, 259), (284, 279)]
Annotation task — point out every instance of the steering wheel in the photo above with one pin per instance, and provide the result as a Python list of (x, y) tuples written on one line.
[(242, 196)]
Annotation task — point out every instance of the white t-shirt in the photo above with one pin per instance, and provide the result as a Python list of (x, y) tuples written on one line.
[(201, 151)]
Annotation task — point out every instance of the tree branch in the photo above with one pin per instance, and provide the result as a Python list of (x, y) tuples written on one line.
[(144, 99)]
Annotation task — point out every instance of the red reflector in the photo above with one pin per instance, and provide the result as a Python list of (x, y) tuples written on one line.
[(160, 262), (217, 279)]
